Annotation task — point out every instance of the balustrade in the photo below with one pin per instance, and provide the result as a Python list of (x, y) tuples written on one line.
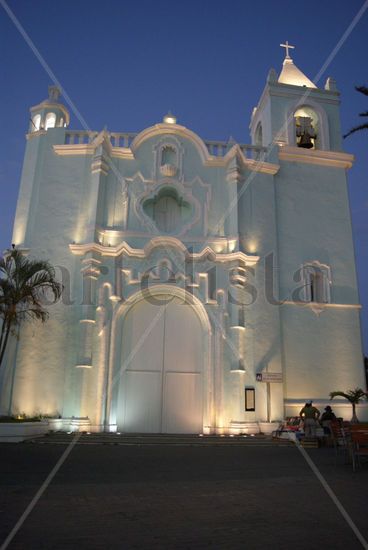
[(124, 139)]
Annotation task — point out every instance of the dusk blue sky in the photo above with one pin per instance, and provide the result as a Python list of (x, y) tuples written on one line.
[(125, 64)]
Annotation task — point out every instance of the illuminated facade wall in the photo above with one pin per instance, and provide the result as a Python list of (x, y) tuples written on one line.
[(189, 267)]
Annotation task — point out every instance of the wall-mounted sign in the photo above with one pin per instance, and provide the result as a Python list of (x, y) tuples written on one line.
[(269, 377)]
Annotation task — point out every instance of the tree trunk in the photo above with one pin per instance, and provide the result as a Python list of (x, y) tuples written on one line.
[(2, 333), (4, 341), (354, 420)]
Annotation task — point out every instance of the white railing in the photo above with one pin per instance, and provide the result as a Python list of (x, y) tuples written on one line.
[(117, 139), (220, 148), (124, 139)]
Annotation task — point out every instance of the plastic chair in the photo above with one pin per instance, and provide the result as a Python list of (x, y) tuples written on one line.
[(359, 446), (341, 438)]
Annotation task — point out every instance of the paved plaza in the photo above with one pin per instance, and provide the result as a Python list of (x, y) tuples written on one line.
[(252, 496)]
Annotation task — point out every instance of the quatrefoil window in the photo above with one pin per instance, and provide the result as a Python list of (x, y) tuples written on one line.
[(168, 210)]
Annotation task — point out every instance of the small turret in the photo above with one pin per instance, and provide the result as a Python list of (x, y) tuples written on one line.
[(50, 113)]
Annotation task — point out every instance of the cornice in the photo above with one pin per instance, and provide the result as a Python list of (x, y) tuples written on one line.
[(289, 90), (321, 305), (335, 159), (31, 135), (76, 149), (142, 253), (212, 240)]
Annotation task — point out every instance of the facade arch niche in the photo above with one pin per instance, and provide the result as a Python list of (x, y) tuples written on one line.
[(148, 365), (318, 120), (258, 135), (168, 158)]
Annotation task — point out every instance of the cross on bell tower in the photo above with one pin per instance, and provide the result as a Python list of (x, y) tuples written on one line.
[(287, 47)]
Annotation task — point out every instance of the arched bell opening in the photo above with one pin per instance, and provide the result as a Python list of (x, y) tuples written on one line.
[(307, 128)]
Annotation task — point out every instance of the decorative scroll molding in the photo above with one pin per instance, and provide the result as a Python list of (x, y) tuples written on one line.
[(141, 253)]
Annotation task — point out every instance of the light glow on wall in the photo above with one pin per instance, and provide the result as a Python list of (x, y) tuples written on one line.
[(252, 246)]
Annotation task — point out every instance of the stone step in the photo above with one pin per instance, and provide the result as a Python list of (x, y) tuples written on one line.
[(158, 439)]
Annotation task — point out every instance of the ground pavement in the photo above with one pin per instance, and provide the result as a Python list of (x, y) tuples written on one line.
[(256, 495)]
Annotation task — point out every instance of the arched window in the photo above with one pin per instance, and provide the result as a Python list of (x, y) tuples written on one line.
[(36, 123), (258, 136), (317, 282), (61, 123), (307, 128), (50, 121)]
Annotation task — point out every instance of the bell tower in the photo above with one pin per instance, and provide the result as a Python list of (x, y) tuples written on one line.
[(47, 125), (314, 251), (293, 111), (50, 113)]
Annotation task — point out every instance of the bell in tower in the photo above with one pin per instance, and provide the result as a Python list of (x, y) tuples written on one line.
[(305, 133)]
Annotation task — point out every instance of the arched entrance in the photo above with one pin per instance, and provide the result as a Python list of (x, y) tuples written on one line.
[(162, 382)]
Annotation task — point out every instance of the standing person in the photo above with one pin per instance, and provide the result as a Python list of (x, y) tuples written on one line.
[(309, 415), (327, 417)]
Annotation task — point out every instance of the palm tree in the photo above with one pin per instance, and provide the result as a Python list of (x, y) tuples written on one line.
[(354, 396), (26, 286), (362, 90)]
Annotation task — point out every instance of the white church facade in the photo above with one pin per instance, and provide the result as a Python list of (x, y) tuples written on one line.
[(208, 286)]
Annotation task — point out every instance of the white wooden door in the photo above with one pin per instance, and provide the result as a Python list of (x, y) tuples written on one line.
[(161, 387)]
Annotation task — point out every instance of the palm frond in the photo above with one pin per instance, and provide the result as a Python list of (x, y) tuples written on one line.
[(362, 89), (27, 286), (354, 396), (339, 394), (356, 129)]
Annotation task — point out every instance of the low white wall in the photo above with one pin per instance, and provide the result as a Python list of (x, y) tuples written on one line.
[(14, 432)]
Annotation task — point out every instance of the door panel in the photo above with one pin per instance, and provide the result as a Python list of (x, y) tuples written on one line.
[(143, 402), (142, 344), (182, 411), (183, 338)]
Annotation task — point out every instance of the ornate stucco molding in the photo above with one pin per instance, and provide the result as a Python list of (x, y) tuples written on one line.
[(83, 149), (141, 253)]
